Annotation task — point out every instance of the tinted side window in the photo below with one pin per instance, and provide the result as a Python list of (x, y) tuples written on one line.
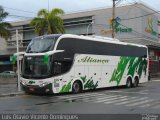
[(60, 67), (72, 46)]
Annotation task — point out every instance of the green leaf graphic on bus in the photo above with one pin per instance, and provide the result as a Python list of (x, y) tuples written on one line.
[(66, 88), (119, 71), (139, 65), (89, 84), (84, 78), (135, 65)]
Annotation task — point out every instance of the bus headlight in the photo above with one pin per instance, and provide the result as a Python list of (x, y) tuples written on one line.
[(43, 84), (23, 83)]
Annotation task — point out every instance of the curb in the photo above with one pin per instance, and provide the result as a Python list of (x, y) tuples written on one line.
[(154, 79), (12, 94)]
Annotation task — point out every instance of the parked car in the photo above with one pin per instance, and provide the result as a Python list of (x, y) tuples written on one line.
[(8, 74)]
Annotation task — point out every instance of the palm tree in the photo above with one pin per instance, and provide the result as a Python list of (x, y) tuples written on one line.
[(48, 20), (4, 32)]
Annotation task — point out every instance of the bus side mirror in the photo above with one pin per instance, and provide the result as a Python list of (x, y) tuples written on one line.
[(46, 59)]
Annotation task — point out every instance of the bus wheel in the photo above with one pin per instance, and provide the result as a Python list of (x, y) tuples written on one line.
[(129, 83), (77, 87), (136, 82)]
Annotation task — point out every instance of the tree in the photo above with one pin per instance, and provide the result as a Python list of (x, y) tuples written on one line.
[(49, 21), (4, 32)]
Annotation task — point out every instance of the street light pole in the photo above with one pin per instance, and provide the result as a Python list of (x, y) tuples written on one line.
[(48, 6), (113, 19), (18, 71)]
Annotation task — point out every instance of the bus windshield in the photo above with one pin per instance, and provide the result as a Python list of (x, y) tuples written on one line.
[(34, 67), (41, 44)]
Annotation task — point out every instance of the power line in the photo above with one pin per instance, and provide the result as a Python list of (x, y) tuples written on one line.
[(135, 5), (141, 16), (118, 2), (18, 16), (20, 10), (142, 35)]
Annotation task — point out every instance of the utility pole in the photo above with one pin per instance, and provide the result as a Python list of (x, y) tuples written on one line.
[(113, 19), (48, 6), (18, 70)]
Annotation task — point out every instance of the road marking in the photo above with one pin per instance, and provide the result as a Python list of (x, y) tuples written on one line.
[(128, 98), (127, 92), (90, 97), (103, 98), (157, 106), (139, 103), (134, 100), (151, 104), (80, 95), (144, 91), (114, 98), (119, 100)]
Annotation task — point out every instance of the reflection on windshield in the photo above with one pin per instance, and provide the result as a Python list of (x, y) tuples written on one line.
[(35, 67), (41, 45)]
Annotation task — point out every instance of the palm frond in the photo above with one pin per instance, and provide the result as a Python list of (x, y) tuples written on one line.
[(3, 14), (5, 25), (43, 13), (4, 31), (56, 12), (39, 24), (56, 25), (50, 21)]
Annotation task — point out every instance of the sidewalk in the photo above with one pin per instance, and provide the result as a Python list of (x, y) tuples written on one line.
[(8, 87)]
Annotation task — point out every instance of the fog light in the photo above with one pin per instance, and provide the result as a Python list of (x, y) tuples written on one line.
[(43, 84)]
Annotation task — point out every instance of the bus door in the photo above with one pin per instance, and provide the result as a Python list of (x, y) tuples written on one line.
[(57, 70)]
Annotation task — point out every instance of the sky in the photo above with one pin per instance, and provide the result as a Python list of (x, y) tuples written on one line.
[(27, 9)]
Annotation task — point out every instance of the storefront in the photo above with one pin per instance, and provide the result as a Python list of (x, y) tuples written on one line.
[(5, 63)]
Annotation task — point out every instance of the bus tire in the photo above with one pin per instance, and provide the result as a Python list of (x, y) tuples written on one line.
[(77, 87), (136, 82), (129, 82)]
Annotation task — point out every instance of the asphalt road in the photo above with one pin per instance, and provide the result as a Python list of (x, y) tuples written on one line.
[(143, 99)]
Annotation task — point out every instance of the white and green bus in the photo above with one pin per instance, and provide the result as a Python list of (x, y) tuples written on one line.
[(72, 63)]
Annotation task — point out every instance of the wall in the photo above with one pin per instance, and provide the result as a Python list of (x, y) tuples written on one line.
[(3, 44)]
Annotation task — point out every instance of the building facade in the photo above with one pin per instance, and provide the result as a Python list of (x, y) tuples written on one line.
[(136, 23)]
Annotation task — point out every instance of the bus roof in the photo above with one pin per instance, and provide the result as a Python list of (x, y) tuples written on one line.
[(48, 36), (99, 39), (91, 38)]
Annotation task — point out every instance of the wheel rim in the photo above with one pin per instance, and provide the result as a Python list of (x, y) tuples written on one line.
[(136, 83), (128, 83), (76, 87)]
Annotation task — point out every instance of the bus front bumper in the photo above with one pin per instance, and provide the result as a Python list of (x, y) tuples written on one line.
[(37, 89)]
